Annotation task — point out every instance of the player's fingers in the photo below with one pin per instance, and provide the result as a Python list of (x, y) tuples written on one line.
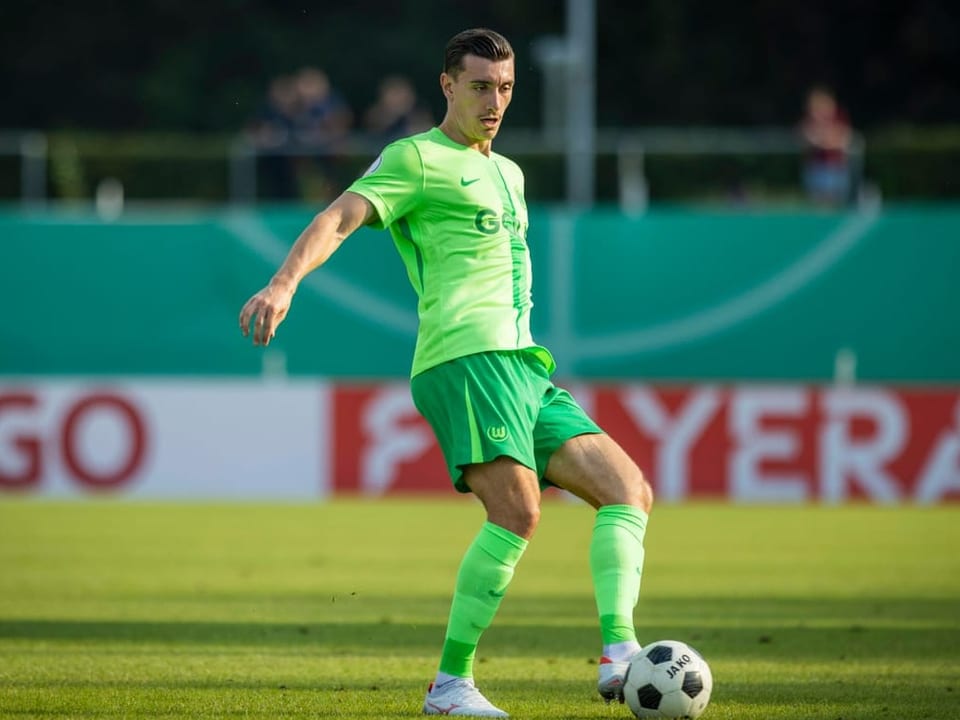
[(263, 325), (249, 314), (267, 333), (245, 319), (257, 325), (276, 317)]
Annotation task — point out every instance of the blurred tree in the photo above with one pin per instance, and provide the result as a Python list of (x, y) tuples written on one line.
[(183, 65)]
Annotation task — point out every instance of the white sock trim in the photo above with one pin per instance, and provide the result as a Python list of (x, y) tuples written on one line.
[(443, 677), (621, 651)]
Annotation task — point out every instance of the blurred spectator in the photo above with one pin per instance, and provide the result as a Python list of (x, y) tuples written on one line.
[(322, 126), (298, 133), (396, 112), (826, 133), (272, 130), (324, 117)]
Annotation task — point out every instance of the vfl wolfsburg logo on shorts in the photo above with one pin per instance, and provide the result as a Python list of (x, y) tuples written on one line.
[(497, 433)]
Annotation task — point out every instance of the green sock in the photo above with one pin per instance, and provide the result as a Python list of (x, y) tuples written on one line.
[(616, 563), (485, 572)]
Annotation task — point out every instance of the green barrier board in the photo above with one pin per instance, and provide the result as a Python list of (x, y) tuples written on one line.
[(673, 294)]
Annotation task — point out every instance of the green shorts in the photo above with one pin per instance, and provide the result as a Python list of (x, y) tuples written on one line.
[(497, 403)]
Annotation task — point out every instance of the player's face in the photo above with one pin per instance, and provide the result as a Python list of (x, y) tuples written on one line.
[(477, 97)]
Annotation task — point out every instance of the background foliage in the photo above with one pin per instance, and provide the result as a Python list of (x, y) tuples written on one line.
[(182, 65)]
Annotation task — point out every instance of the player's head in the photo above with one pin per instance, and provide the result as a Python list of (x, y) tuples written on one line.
[(483, 43), (477, 80)]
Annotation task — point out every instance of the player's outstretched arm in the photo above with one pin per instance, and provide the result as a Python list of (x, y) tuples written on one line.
[(319, 240)]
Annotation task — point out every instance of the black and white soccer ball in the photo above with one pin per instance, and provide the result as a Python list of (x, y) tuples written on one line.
[(668, 679)]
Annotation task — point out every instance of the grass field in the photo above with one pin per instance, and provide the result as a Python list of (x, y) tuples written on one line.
[(337, 610)]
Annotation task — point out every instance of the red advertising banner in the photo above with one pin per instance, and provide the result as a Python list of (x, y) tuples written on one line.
[(746, 443)]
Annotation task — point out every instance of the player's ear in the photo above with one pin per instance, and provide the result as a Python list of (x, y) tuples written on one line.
[(446, 84)]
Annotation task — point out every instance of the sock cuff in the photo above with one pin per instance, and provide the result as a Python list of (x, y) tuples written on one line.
[(617, 628), (501, 543), (626, 516)]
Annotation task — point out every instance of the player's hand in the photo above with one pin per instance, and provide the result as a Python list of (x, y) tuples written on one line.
[(264, 312)]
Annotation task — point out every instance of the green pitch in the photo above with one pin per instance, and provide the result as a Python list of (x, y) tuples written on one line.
[(337, 610)]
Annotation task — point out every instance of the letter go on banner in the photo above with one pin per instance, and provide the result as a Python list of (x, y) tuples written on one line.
[(171, 439), (96, 439)]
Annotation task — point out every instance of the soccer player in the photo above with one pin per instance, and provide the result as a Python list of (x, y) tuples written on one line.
[(457, 215)]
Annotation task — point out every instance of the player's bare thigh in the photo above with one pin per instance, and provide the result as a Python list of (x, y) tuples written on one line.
[(595, 468), (510, 493)]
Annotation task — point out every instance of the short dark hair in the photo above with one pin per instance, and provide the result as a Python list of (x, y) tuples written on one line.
[(481, 42)]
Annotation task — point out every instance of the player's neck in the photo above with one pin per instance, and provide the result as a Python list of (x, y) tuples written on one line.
[(451, 131)]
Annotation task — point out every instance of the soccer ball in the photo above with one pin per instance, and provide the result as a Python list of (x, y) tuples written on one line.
[(668, 679)]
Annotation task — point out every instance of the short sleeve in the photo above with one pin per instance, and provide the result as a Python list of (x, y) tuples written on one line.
[(393, 183)]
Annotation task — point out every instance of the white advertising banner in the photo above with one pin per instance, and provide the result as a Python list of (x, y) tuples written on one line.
[(164, 439)]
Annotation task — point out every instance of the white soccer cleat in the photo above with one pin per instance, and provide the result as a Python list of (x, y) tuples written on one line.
[(459, 697), (610, 678)]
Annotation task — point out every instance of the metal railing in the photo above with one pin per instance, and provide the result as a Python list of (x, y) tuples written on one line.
[(33, 150), (631, 150), (633, 147)]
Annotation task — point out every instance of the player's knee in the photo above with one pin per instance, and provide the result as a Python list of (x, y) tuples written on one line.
[(528, 517), (520, 518), (627, 487), (635, 490), (642, 492)]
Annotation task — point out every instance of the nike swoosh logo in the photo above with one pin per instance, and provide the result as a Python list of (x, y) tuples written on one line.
[(465, 182)]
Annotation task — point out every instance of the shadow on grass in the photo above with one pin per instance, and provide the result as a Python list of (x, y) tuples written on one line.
[(736, 629), (556, 697)]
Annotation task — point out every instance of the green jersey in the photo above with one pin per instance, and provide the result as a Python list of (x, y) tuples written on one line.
[(459, 221)]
